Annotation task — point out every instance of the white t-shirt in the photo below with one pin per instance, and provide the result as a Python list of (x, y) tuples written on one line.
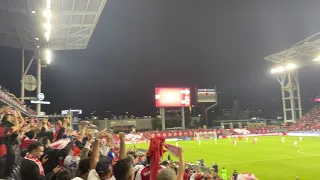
[(93, 175), (77, 178)]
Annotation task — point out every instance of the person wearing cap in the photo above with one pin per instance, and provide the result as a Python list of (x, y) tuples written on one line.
[(101, 169)]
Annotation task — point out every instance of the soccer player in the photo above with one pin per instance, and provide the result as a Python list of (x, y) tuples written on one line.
[(224, 173), (255, 140), (215, 140), (295, 143), (234, 143), (177, 143), (199, 140), (247, 139), (300, 139), (283, 141)]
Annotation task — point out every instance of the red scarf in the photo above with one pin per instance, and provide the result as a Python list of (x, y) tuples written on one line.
[(155, 152), (35, 160)]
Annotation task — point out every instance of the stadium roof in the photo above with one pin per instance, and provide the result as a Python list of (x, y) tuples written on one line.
[(303, 53), (72, 23)]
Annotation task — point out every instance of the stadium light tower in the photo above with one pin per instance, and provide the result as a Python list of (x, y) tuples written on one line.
[(303, 53), (288, 78)]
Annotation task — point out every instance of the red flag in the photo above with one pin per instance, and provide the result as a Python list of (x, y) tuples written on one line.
[(172, 149)]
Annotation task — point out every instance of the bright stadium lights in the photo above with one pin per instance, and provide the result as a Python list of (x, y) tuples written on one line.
[(291, 66), (47, 15), (317, 58), (48, 56), (277, 70), (37, 38), (281, 69), (33, 12)]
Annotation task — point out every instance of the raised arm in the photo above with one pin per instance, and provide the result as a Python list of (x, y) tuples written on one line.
[(122, 153), (95, 154), (181, 164)]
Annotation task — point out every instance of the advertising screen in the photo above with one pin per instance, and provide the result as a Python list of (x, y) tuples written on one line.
[(172, 97), (317, 99), (207, 95)]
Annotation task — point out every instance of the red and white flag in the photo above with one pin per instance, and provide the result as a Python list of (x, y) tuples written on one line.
[(172, 149)]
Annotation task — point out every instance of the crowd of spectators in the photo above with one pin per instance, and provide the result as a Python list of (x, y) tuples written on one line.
[(10, 98), (39, 150), (308, 122)]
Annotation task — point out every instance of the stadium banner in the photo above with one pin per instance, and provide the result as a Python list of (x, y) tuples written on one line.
[(251, 135), (206, 95), (172, 139), (182, 134), (185, 139), (137, 142), (305, 134)]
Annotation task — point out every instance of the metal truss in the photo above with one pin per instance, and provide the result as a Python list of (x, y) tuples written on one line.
[(302, 54), (290, 91)]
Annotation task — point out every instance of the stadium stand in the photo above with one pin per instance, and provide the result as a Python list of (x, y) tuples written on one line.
[(308, 122)]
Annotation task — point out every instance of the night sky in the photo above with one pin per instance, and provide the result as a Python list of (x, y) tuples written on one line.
[(140, 44)]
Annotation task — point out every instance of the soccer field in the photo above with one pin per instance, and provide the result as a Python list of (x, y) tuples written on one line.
[(269, 159)]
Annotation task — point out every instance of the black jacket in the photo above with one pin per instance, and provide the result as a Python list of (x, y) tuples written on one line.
[(30, 170), (53, 155)]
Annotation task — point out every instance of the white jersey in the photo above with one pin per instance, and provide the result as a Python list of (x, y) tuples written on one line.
[(255, 139), (247, 139), (300, 139), (295, 143), (177, 144), (283, 140)]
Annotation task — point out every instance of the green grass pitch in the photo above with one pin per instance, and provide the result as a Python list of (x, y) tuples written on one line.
[(269, 159)]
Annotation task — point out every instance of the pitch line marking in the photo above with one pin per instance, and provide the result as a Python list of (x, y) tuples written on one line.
[(271, 159)]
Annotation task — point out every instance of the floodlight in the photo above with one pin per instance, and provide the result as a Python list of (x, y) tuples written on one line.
[(33, 12), (277, 70), (48, 56), (317, 58), (291, 66)]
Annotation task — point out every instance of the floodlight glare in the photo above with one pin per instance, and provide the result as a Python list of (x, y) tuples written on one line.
[(277, 70), (317, 58), (291, 66), (48, 56)]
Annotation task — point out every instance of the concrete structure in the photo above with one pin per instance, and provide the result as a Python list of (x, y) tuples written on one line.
[(137, 124)]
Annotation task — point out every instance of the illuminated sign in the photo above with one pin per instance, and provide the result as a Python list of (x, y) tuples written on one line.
[(206, 95), (317, 99), (172, 97)]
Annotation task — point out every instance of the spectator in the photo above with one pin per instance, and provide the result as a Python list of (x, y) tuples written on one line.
[(63, 175), (100, 169), (55, 155), (83, 170), (123, 169), (153, 157), (8, 141), (31, 167), (168, 174)]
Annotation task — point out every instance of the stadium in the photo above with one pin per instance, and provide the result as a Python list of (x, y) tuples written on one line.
[(175, 144)]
